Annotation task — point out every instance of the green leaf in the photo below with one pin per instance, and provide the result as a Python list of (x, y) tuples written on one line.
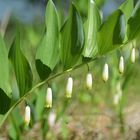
[(133, 23), (21, 66), (72, 39), (1, 117), (47, 54), (110, 33), (5, 89), (91, 28), (127, 8)]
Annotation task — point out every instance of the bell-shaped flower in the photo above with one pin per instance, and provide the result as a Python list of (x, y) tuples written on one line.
[(121, 65), (69, 87), (118, 94), (133, 55), (89, 81), (27, 116), (105, 74), (51, 119), (49, 98)]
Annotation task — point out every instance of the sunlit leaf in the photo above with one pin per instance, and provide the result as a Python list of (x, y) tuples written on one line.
[(21, 66), (110, 35), (72, 39), (91, 27), (47, 54), (133, 23), (127, 8), (5, 89)]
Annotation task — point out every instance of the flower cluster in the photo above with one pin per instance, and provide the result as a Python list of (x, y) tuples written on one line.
[(89, 82)]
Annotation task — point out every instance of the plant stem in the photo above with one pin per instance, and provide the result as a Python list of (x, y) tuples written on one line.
[(42, 83)]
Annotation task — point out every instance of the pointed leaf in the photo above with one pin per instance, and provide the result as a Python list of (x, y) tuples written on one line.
[(133, 23), (21, 66), (5, 89), (110, 33), (72, 39), (127, 8), (47, 54), (91, 27)]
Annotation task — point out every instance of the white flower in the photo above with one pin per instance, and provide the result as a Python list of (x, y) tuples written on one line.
[(133, 55), (105, 74), (49, 98), (121, 65), (69, 87), (51, 119), (118, 86), (118, 95), (27, 116), (89, 81), (116, 99)]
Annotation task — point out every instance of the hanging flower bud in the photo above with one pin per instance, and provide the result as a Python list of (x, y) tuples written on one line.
[(133, 55), (121, 65), (69, 87), (49, 98), (116, 99), (27, 116), (105, 74), (89, 81), (118, 95), (51, 119)]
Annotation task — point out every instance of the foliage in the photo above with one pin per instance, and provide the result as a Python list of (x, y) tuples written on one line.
[(63, 45)]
